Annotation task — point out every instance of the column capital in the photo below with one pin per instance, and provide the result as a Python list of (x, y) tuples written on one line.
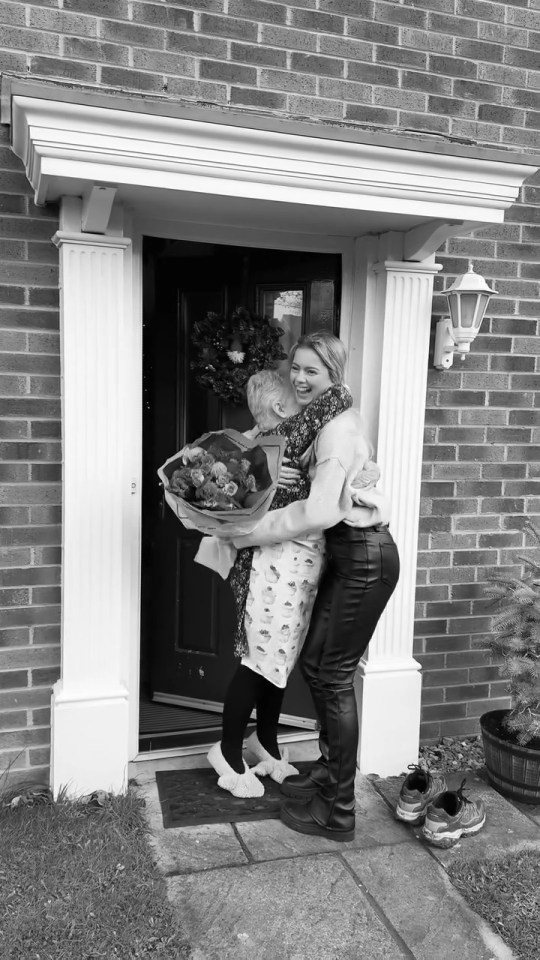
[(90, 239), (406, 266)]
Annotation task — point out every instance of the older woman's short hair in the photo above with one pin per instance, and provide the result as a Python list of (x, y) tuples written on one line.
[(263, 389)]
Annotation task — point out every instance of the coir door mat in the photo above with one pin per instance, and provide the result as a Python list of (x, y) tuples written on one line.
[(192, 797)]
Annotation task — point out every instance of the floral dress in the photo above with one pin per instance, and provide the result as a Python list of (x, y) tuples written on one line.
[(275, 586)]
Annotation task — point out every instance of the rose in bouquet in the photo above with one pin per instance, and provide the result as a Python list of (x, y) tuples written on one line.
[(215, 479), (223, 479)]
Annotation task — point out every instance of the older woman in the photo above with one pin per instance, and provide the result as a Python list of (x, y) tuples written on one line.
[(274, 589), (361, 573)]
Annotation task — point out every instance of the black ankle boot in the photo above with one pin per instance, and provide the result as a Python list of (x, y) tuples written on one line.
[(305, 787), (300, 817)]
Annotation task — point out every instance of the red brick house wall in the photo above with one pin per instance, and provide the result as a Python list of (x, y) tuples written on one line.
[(461, 69), (481, 473)]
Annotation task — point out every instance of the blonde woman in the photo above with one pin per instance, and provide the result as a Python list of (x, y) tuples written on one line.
[(361, 573)]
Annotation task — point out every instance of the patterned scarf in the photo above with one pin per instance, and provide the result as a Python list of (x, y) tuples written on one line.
[(301, 430)]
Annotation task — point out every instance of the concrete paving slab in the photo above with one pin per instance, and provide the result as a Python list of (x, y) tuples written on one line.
[(422, 905), (190, 849), (186, 849), (530, 810), (272, 840), (374, 821), (308, 909), (506, 827)]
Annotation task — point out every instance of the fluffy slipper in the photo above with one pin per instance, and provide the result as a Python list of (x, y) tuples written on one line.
[(239, 784), (268, 766)]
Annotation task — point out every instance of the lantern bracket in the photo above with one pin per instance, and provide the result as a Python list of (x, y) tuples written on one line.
[(445, 345)]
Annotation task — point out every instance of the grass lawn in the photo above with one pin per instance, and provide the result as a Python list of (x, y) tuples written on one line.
[(77, 882), (506, 893)]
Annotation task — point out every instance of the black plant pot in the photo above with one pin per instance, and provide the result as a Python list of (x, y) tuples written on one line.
[(514, 770)]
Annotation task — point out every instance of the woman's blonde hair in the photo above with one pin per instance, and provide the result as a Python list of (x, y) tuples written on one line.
[(263, 389), (329, 349)]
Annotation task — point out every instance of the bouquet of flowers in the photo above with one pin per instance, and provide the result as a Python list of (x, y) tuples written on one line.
[(223, 478), (216, 479)]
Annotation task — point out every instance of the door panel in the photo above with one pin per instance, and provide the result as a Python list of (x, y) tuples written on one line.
[(188, 611), (192, 653)]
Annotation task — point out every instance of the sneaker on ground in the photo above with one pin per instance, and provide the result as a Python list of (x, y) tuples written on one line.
[(452, 816), (417, 791)]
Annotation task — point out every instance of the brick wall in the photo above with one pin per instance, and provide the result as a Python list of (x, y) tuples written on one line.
[(30, 464), (466, 69), (481, 471)]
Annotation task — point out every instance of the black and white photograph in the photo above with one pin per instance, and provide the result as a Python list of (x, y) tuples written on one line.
[(270, 479)]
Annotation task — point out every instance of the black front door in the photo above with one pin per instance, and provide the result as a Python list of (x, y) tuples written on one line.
[(188, 613)]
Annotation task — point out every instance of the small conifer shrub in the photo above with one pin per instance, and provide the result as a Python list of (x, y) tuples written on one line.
[(515, 643)]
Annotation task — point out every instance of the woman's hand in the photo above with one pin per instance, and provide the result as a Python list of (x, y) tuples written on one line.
[(288, 476)]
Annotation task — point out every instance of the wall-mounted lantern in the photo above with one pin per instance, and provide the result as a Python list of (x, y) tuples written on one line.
[(468, 298)]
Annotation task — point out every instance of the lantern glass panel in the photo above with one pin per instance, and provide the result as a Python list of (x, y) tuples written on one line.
[(466, 309), (483, 300), (455, 312)]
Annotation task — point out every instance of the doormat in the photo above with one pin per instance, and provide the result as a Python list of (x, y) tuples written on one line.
[(192, 797)]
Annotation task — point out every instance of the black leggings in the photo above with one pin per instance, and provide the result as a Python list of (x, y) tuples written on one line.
[(247, 691)]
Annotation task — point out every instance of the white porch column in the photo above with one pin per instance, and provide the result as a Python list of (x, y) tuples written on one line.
[(90, 701), (396, 329)]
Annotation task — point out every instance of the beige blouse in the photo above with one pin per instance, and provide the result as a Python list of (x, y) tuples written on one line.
[(337, 491)]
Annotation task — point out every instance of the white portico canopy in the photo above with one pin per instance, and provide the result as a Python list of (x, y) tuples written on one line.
[(163, 158), (124, 167)]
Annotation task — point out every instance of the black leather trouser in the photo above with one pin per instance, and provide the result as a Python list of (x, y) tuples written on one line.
[(361, 574)]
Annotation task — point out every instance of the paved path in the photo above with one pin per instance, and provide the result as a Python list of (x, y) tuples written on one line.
[(258, 890)]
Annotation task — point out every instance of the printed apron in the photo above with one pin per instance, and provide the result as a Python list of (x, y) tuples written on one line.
[(282, 590)]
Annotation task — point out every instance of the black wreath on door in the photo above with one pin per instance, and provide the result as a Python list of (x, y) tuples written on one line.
[(229, 349)]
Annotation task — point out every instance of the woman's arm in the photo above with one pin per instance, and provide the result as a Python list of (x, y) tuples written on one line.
[(327, 504), (339, 447)]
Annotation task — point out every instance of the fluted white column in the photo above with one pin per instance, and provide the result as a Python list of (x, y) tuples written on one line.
[(90, 701), (389, 681)]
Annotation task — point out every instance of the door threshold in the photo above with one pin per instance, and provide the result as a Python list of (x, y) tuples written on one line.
[(216, 706), (296, 736)]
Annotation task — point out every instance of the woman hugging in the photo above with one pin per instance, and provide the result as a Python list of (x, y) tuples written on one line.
[(275, 583)]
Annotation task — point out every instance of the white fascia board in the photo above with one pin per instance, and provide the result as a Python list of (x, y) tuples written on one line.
[(60, 171), (61, 141)]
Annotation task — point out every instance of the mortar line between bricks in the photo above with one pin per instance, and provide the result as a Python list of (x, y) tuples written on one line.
[(374, 904)]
